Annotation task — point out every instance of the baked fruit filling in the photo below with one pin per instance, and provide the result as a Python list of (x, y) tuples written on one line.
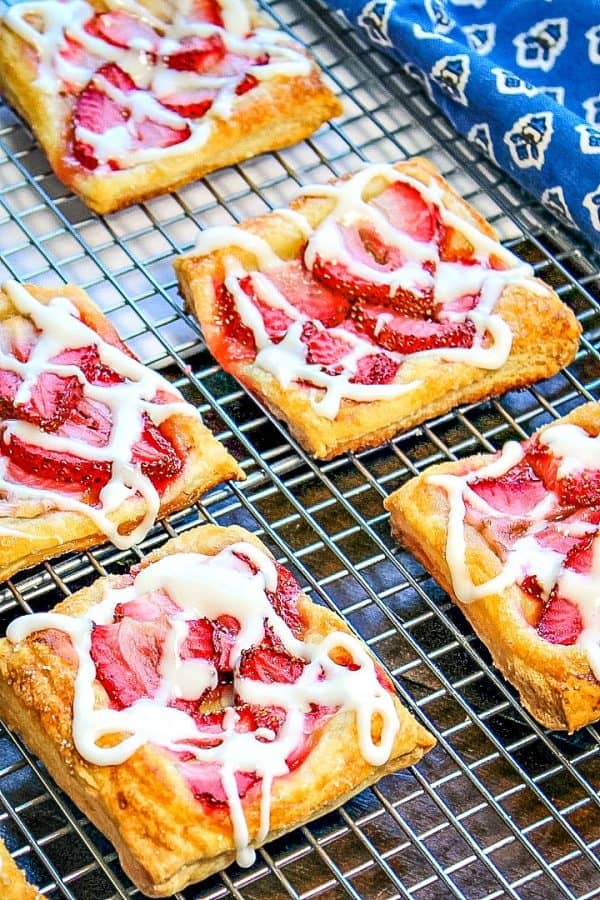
[(140, 85), (209, 659), (389, 275), (538, 506), (85, 426)]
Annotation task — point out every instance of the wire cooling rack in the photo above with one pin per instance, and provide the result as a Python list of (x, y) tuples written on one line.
[(501, 807)]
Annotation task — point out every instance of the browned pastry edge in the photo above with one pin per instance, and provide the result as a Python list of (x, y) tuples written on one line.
[(165, 838), (275, 114), (555, 682), (206, 463), (545, 338), (13, 883)]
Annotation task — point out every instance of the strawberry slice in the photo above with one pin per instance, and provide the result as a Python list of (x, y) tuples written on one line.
[(285, 600), (407, 211), (197, 54), (157, 134), (226, 630), (246, 84), (577, 488), (322, 347), (127, 656), (270, 662), (123, 30), (117, 77), (309, 296), (580, 558), (207, 11), (204, 781), (97, 112), (234, 340), (560, 622), (408, 335), (375, 369), (88, 360), (276, 322), (199, 643), (156, 455), (252, 717), (516, 493), (89, 422), (147, 608), (191, 104), (52, 399)]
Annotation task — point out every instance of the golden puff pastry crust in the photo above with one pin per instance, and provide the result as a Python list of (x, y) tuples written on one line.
[(555, 681), (57, 454), (165, 836), (13, 883), (528, 330), (199, 90)]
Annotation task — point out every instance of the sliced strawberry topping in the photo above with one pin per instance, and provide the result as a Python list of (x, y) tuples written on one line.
[(117, 77), (248, 82), (190, 105), (156, 455), (147, 608), (576, 488), (236, 340), (199, 642), (207, 11), (49, 469), (204, 780), (322, 347), (76, 54), (88, 360), (276, 322), (51, 400), (127, 656), (516, 493), (97, 112), (197, 54), (580, 558), (157, 134), (123, 30), (315, 300), (406, 335), (90, 422), (560, 622), (226, 630), (375, 369), (407, 211), (270, 662)]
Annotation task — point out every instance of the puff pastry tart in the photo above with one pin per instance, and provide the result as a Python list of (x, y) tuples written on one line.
[(13, 884), (514, 538), (129, 100), (92, 443), (201, 705), (371, 305)]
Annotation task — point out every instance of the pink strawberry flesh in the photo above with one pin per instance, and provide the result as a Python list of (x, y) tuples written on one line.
[(408, 335), (127, 656), (197, 54), (147, 608), (575, 488), (51, 399), (270, 662), (123, 30), (322, 347), (560, 622), (313, 299), (156, 134), (206, 11), (516, 493), (407, 211), (190, 104), (375, 369)]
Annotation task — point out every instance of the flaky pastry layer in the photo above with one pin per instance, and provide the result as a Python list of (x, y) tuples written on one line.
[(13, 883), (545, 336), (276, 113), (28, 540), (165, 838), (555, 682)]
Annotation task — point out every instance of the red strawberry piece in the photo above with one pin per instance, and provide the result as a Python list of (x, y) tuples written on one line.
[(253, 717), (123, 30), (156, 455), (407, 335), (74, 52), (88, 360), (190, 105), (580, 558), (516, 493), (322, 347), (226, 630), (246, 84), (52, 399), (117, 77), (560, 622), (199, 642), (97, 112), (576, 488), (407, 211), (204, 781), (309, 296), (270, 662), (531, 586), (275, 320), (127, 657), (375, 369), (197, 54), (235, 340), (89, 422), (285, 600), (207, 11), (147, 608), (157, 134), (61, 471)]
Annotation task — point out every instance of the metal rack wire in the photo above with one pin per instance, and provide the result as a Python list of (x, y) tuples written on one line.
[(501, 807)]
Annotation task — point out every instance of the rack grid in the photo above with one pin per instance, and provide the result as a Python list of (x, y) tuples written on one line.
[(501, 807)]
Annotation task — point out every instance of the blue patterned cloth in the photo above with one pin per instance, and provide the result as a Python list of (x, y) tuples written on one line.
[(519, 78)]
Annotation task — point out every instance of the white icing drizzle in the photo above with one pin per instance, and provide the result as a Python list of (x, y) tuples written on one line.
[(286, 360), (209, 587), (145, 62), (61, 329), (577, 450)]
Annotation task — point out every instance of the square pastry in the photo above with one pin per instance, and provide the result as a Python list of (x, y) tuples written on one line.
[(201, 705), (130, 100), (373, 304), (514, 537), (93, 444), (13, 883)]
